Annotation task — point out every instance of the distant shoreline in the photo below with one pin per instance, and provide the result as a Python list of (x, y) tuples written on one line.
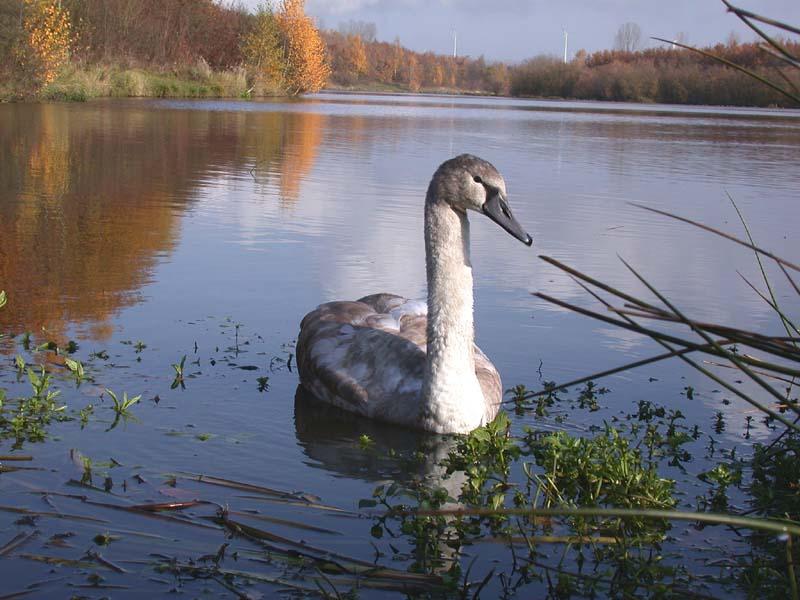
[(77, 84)]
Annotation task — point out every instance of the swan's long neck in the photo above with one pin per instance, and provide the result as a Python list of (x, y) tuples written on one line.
[(452, 396)]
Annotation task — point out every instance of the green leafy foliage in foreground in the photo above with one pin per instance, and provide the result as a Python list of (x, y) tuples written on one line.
[(534, 471), (26, 418), (600, 471), (592, 514)]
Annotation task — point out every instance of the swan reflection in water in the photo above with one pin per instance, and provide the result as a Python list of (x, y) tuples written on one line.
[(331, 438)]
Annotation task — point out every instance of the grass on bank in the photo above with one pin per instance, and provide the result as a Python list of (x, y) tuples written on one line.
[(78, 83)]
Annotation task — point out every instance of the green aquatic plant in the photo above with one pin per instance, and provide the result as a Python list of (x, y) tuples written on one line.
[(605, 470), (86, 464), (85, 413), (178, 368), (562, 473), (26, 418), (588, 396), (121, 407), (485, 455), (101, 354), (519, 396), (40, 382), (775, 478), (19, 362), (76, 368), (722, 476)]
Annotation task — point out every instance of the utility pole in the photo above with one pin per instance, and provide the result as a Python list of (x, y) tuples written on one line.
[(566, 37)]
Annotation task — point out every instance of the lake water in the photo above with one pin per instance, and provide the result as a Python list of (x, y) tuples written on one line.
[(207, 229)]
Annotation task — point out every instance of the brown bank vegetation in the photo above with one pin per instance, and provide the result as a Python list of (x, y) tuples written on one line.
[(670, 75), (74, 49)]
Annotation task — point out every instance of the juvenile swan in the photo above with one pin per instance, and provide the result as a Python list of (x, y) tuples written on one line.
[(396, 360)]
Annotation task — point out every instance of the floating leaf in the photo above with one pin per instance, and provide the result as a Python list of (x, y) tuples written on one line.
[(75, 367)]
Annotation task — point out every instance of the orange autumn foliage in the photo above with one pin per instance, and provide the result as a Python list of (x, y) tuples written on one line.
[(48, 37), (307, 68), (356, 56), (83, 231)]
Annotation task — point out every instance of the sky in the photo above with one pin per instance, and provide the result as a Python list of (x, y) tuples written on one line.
[(513, 30)]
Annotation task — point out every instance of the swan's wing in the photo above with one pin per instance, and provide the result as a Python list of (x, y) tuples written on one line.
[(370, 362), (407, 318), (491, 385), (368, 357)]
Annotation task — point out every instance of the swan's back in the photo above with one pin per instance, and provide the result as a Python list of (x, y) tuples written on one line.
[(369, 356)]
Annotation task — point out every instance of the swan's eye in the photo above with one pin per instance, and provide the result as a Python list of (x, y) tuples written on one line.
[(477, 179)]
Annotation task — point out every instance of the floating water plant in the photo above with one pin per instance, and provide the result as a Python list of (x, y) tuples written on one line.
[(76, 368), (178, 368), (19, 362), (121, 407)]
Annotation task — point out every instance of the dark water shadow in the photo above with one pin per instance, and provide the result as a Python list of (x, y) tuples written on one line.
[(333, 440)]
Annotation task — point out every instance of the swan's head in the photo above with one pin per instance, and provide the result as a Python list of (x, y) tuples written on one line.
[(467, 182)]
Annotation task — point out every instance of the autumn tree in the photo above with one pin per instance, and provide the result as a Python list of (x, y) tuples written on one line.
[(398, 54), (437, 74), (356, 56), (262, 48), (46, 41), (306, 66), (412, 73), (497, 79)]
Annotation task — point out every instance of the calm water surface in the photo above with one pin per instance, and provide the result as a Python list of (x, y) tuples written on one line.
[(208, 229)]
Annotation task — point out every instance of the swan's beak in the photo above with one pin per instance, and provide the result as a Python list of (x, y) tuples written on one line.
[(497, 209)]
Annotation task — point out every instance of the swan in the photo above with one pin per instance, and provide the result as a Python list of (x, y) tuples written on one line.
[(402, 361)]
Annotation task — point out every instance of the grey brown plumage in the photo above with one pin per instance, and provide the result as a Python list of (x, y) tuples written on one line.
[(368, 356)]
